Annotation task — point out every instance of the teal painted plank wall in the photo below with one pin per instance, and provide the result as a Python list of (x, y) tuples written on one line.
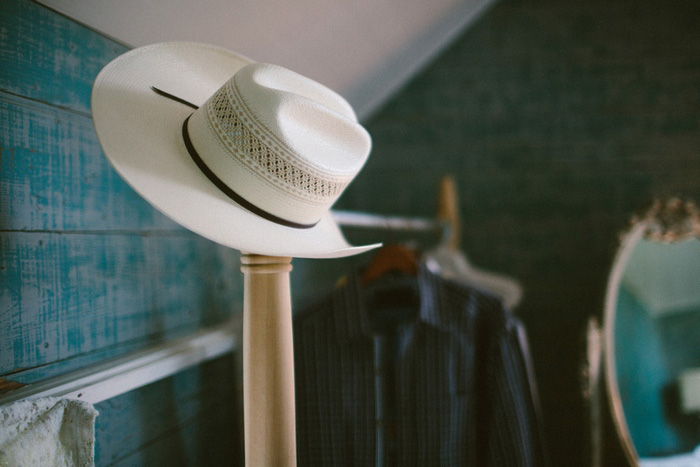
[(55, 177), (86, 265), (183, 420), (56, 58), (88, 270), (558, 119)]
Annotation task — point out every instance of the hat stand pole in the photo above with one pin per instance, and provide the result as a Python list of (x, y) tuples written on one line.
[(268, 362)]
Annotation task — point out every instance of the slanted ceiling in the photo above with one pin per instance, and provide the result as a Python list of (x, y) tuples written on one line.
[(364, 49)]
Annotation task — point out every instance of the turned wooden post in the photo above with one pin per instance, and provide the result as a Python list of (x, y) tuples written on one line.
[(268, 362)]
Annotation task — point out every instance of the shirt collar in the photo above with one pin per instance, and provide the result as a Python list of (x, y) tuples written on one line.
[(350, 313)]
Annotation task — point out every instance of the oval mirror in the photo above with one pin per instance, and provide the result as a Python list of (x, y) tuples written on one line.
[(652, 337)]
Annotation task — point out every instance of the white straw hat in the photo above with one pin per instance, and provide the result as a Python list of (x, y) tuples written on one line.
[(249, 155)]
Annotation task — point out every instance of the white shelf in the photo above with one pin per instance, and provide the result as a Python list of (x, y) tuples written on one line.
[(105, 380)]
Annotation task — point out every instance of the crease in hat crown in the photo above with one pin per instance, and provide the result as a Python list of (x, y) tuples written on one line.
[(283, 142)]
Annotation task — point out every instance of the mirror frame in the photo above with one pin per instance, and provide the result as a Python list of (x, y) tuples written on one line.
[(665, 222), (615, 401)]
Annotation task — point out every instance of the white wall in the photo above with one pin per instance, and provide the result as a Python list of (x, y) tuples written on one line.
[(364, 49)]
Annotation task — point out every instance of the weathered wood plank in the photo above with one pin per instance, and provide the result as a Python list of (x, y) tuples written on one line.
[(47, 57), (53, 175), (64, 296), (193, 418)]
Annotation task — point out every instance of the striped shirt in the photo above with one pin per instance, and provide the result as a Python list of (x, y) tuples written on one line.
[(413, 373)]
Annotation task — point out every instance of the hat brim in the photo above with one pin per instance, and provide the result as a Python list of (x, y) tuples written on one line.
[(140, 133)]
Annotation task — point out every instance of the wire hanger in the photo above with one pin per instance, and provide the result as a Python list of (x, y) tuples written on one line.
[(450, 262)]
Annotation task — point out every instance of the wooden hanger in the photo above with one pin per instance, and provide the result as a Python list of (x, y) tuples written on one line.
[(391, 258), (402, 259)]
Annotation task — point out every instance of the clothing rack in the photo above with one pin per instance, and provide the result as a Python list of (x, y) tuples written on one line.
[(378, 221)]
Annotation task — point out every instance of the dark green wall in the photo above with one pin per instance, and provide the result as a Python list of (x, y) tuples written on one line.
[(558, 120)]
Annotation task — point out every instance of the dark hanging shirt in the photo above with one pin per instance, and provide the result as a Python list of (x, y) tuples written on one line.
[(428, 373)]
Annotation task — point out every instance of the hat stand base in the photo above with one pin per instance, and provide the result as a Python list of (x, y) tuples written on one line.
[(268, 362)]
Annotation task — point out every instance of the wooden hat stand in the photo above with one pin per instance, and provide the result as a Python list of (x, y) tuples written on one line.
[(268, 362)]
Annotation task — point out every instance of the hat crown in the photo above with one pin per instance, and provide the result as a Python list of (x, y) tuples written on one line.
[(308, 118), (300, 140), (261, 81)]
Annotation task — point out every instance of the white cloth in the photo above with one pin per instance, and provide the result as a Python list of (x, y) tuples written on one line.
[(47, 432)]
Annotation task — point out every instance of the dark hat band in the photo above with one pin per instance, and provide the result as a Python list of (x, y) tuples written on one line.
[(227, 189)]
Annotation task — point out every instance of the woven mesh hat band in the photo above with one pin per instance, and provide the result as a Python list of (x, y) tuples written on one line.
[(220, 184), (249, 140), (228, 191)]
